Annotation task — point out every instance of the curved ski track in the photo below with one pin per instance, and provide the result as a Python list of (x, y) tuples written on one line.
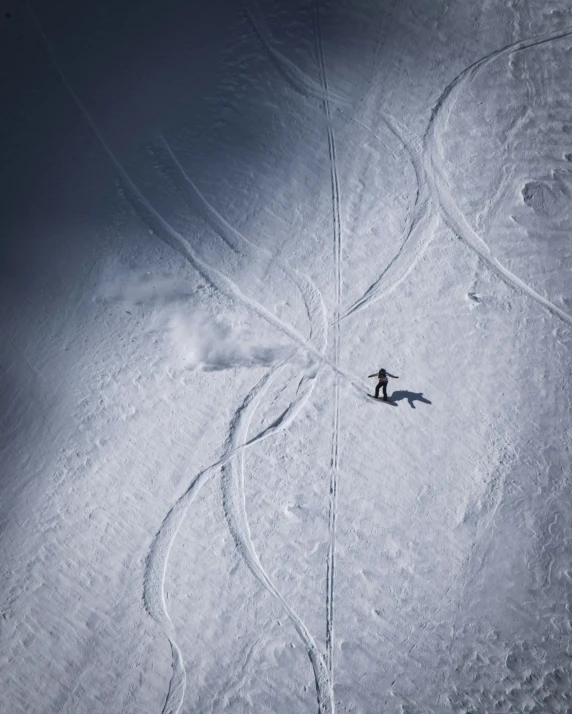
[(431, 177), (440, 187), (237, 441), (158, 555), (239, 242), (415, 236), (233, 485), (235, 511)]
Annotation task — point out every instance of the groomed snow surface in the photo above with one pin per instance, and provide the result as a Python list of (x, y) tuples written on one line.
[(218, 221)]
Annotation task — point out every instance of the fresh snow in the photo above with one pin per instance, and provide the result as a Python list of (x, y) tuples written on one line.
[(217, 222)]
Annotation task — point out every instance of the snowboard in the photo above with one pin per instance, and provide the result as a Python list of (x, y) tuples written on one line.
[(383, 401)]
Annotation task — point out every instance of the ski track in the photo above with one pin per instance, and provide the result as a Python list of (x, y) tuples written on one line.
[(240, 243), (235, 512), (335, 449), (295, 77), (158, 555), (416, 234), (238, 524), (439, 185), (163, 230)]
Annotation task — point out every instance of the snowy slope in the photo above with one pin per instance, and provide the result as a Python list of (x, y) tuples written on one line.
[(218, 222)]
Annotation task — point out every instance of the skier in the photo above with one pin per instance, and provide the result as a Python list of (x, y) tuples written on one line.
[(382, 380)]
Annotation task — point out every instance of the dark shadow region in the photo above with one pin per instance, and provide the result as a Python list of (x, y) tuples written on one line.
[(411, 397)]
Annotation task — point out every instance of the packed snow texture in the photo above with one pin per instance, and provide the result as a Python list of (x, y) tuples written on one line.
[(218, 222)]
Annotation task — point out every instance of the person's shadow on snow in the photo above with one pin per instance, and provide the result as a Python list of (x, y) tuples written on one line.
[(410, 396)]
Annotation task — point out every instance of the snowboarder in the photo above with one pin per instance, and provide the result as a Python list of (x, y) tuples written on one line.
[(382, 380)]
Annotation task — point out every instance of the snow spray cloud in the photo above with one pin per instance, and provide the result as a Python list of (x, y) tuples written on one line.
[(197, 338), (208, 343)]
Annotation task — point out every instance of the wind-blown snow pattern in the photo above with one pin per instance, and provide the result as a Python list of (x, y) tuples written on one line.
[(237, 213)]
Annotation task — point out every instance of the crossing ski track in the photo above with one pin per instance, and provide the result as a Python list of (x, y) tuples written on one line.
[(233, 482), (158, 555), (163, 230), (439, 184), (239, 242), (433, 187), (335, 448), (416, 234), (234, 504), (296, 78)]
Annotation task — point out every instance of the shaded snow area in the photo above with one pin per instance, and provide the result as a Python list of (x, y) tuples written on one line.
[(217, 220)]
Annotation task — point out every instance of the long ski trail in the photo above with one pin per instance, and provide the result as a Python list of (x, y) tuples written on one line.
[(335, 448)]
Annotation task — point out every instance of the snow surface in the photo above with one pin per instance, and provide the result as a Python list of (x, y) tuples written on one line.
[(217, 221)]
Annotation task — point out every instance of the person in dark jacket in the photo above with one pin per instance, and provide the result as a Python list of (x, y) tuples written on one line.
[(382, 380)]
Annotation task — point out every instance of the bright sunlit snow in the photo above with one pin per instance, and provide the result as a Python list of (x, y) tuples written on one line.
[(217, 222)]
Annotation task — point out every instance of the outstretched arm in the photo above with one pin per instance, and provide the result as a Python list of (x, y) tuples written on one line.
[(372, 375), (392, 375)]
